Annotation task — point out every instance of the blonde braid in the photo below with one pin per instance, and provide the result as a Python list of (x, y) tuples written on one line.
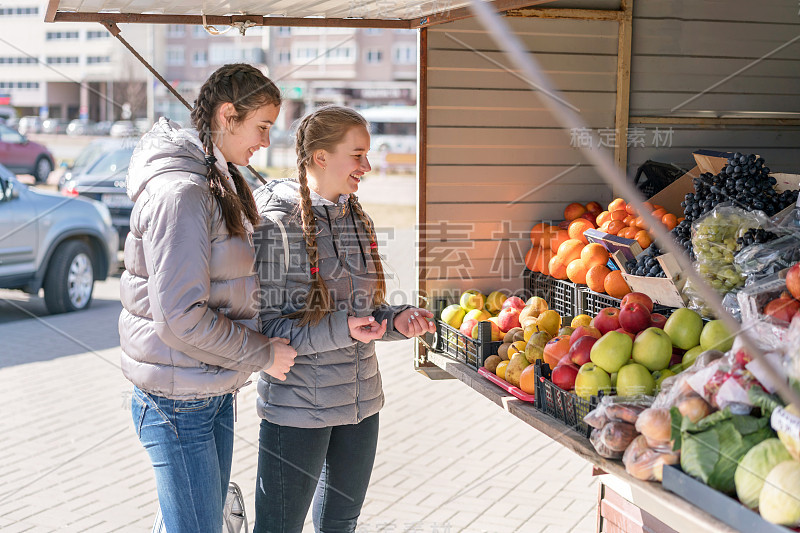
[(379, 296)]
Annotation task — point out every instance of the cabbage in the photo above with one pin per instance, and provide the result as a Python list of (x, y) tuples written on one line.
[(780, 497), (754, 467)]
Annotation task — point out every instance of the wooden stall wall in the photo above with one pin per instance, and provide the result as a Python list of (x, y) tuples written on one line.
[(717, 58), (497, 161)]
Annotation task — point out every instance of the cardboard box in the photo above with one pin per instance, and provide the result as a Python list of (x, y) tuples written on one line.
[(671, 196), (663, 291), (629, 248)]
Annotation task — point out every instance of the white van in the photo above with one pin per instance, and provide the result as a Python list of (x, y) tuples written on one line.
[(393, 128)]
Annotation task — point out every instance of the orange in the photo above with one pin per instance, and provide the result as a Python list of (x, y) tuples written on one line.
[(547, 234), (527, 380), (615, 285), (627, 233), (603, 217), (644, 239), (629, 220), (631, 209), (570, 250), (604, 226), (650, 207), (576, 271), (557, 268), (617, 203), (536, 233), (544, 261), (557, 238), (593, 254), (656, 207), (639, 223), (596, 277), (577, 227), (669, 220), (532, 258), (614, 226), (573, 211), (658, 214), (619, 214)]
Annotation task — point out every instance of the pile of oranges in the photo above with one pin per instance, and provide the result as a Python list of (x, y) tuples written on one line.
[(622, 219)]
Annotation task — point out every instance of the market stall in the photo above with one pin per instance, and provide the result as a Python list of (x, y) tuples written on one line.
[(650, 80)]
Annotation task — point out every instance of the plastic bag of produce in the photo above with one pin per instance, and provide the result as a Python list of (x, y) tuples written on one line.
[(759, 261), (617, 409), (645, 463)]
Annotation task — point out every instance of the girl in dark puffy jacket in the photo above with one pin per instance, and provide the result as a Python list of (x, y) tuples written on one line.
[(323, 288), (189, 328)]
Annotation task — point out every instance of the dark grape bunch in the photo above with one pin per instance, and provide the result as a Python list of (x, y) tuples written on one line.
[(755, 236), (646, 264)]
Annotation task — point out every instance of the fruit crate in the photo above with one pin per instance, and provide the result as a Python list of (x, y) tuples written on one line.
[(591, 303), (452, 343), (562, 405), (562, 296)]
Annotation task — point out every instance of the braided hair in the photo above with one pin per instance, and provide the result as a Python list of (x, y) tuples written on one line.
[(323, 130), (248, 90)]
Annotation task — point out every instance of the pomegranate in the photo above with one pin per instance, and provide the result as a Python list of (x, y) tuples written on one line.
[(793, 280), (783, 308)]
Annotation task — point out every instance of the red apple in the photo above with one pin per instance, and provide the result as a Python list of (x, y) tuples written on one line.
[(638, 297), (594, 208), (580, 351), (793, 280), (508, 318), (607, 320), (515, 302), (563, 376), (583, 331), (628, 333), (657, 320), (466, 327), (590, 217), (783, 308), (634, 317)]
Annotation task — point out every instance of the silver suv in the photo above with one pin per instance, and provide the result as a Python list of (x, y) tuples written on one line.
[(48, 241)]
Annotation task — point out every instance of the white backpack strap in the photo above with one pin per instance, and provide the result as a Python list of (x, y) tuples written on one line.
[(281, 227)]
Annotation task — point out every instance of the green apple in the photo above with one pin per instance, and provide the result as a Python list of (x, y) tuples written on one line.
[(684, 327), (691, 355), (592, 379), (453, 315), (477, 314), (715, 336), (661, 375), (677, 368), (495, 301), (472, 299), (635, 379), (565, 330), (611, 351), (653, 349)]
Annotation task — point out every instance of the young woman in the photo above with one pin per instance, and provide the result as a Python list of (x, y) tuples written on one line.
[(189, 328), (323, 288)]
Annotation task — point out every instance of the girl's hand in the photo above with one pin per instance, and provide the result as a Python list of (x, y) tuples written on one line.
[(282, 358), (414, 322), (365, 329)]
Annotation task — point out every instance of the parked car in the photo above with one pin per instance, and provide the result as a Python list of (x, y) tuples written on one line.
[(80, 127), (23, 156), (30, 124), (104, 180), (62, 245), (91, 153), (54, 125), (102, 127), (123, 128)]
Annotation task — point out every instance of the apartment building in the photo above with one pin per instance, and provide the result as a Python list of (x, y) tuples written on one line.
[(68, 70)]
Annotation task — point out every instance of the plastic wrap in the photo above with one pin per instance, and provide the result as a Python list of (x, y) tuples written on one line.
[(617, 409), (753, 299), (759, 261), (643, 462)]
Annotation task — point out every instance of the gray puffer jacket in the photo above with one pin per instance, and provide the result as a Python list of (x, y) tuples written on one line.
[(335, 379), (189, 327)]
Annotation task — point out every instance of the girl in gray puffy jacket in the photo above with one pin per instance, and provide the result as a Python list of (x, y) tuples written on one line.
[(323, 288), (189, 329)]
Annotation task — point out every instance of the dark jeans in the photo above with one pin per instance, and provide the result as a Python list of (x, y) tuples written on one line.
[(331, 464)]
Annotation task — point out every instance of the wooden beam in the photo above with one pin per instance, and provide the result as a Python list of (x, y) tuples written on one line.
[(422, 164), (717, 121), (52, 7), (466, 12), (215, 20), (623, 85), (574, 14)]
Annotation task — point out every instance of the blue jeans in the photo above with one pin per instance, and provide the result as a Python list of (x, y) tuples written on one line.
[(332, 465), (190, 444)]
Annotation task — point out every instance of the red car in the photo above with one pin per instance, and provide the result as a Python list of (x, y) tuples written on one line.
[(22, 156)]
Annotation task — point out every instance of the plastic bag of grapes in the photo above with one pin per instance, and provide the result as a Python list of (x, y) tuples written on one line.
[(762, 259)]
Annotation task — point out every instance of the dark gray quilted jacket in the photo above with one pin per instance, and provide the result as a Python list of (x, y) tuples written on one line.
[(335, 379), (189, 327)]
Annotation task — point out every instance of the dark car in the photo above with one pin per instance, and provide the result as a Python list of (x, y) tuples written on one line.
[(22, 156), (87, 157), (104, 181)]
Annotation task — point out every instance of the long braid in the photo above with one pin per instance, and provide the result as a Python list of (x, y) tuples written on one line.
[(379, 296), (318, 301)]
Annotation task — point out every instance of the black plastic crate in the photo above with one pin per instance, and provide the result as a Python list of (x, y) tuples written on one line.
[(560, 295), (592, 302), (562, 405), (454, 344)]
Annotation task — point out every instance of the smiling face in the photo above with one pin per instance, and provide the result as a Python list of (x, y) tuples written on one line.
[(238, 141), (340, 171)]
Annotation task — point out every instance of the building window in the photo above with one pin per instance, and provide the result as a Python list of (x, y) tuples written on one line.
[(94, 60), (305, 53), (175, 56), (342, 54), (373, 31), (405, 54), (92, 35), (200, 58), (61, 35), (199, 31), (284, 57), (374, 56), (175, 30), (19, 85), (284, 31), (11, 11), (18, 60), (62, 60)]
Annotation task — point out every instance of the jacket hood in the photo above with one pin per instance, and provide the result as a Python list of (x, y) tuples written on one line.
[(287, 190), (168, 147)]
